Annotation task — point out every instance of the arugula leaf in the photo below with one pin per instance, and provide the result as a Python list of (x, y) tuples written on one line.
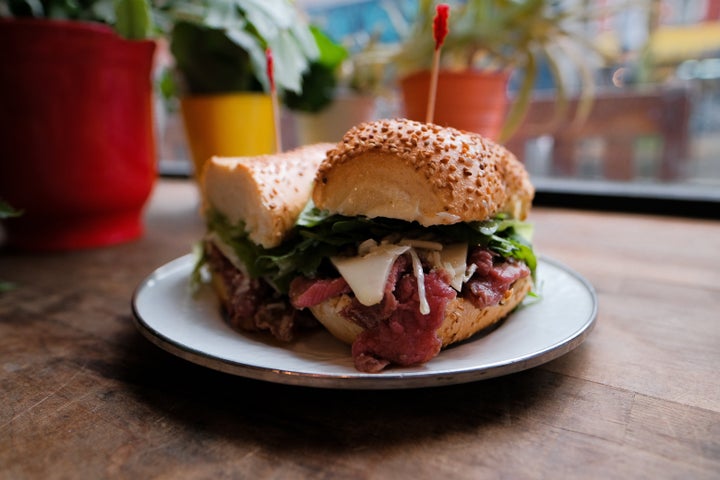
[(318, 236), (236, 237), (196, 276)]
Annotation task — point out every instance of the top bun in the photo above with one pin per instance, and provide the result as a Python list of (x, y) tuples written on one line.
[(266, 192), (421, 172)]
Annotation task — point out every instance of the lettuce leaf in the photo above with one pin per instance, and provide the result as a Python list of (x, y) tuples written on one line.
[(318, 236)]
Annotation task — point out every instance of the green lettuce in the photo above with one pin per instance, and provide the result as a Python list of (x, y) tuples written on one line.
[(318, 235)]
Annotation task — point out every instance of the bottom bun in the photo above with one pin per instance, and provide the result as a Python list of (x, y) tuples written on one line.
[(221, 291), (462, 318)]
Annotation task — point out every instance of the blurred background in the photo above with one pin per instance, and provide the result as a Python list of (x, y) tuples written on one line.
[(654, 126)]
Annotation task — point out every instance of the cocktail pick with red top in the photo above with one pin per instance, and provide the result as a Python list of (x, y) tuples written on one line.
[(440, 31), (274, 98)]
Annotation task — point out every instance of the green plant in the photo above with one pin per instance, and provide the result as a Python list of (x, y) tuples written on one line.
[(131, 19), (320, 81), (510, 35), (219, 46), (369, 68), (361, 70)]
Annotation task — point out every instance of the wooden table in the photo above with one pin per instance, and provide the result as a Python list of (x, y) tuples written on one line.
[(84, 395)]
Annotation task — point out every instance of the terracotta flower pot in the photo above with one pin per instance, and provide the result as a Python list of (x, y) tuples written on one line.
[(469, 100), (77, 144), (228, 125)]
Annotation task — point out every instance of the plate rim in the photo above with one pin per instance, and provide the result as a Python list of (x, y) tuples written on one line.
[(392, 379)]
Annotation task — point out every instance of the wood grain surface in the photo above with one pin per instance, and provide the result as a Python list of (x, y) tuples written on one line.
[(84, 395)]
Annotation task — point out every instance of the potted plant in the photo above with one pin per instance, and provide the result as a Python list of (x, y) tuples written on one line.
[(488, 41), (77, 144), (339, 90), (219, 50)]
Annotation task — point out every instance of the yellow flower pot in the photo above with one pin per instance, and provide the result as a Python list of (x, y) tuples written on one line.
[(228, 125)]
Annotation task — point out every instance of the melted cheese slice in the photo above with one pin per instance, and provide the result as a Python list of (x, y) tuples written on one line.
[(367, 275), (454, 260)]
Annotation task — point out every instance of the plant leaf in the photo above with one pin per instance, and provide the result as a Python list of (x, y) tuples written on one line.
[(561, 97), (291, 42), (587, 83), (522, 100), (133, 19), (212, 60), (290, 61)]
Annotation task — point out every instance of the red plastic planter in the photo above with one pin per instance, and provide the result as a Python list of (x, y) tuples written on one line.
[(77, 148)]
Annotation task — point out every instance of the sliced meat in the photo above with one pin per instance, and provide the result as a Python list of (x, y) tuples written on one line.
[(488, 288), (369, 316), (407, 337), (395, 332), (305, 292), (253, 305)]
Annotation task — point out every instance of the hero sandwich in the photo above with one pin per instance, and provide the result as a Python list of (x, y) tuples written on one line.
[(412, 239)]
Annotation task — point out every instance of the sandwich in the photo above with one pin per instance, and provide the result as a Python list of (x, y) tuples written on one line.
[(250, 205), (422, 228), (407, 238)]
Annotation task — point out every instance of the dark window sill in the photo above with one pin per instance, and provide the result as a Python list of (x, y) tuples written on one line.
[(699, 201)]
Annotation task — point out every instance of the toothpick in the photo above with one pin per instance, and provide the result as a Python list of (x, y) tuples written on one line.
[(440, 31), (274, 99)]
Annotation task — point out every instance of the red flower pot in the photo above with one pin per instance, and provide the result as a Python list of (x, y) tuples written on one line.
[(77, 148), (470, 100)]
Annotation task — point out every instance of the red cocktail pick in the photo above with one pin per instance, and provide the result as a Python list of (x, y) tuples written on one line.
[(440, 24), (440, 31), (274, 99)]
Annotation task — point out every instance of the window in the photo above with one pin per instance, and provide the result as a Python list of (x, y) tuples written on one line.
[(652, 139)]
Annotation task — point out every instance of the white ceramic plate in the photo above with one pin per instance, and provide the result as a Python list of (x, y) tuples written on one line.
[(191, 327)]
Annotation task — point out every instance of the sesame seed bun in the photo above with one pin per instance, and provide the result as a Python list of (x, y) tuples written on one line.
[(266, 192), (421, 172)]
